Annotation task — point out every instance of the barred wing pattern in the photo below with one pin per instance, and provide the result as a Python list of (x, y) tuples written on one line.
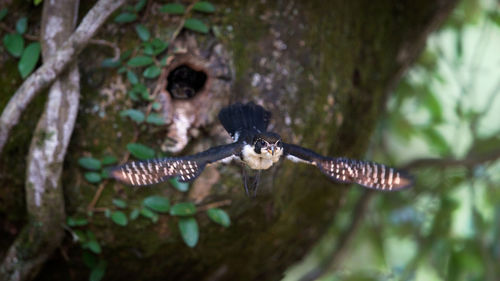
[(187, 168), (138, 173), (367, 174)]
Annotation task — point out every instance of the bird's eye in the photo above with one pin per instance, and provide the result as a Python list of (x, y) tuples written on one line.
[(262, 143), (278, 143)]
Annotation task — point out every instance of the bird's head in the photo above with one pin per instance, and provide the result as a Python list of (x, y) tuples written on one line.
[(268, 144)]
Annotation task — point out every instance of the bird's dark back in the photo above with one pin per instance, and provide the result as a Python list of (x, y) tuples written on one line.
[(241, 119)]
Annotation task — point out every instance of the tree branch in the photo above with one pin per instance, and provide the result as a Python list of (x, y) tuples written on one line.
[(49, 71), (44, 193), (331, 261), (451, 162)]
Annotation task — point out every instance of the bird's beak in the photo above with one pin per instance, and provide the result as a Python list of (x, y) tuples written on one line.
[(271, 149)]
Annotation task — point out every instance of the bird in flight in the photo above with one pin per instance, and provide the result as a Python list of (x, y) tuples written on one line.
[(258, 149)]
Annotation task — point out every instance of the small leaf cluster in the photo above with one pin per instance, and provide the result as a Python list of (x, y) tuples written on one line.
[(153, 206), (193, 24), (130, 13), (90, 245), (16, 46), (96, 170)]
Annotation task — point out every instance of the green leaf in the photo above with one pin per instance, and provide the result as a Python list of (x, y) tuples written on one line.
[(204, 6), (3, 13), (97, 273), (110, 63), (152, 72), (149, 214), (142, 32), (134, 214), (139, 5), (93, 245), (133, 95), (159, 46), (140, 151), (183, 209), (140, 61), (156, 119), (14, 43), (133, 114), (92, 177), (148, 48), (89, 163), (22, 25), (108, 160), (125, 17), (73, 222), (436, 141), (29, 59), (119, 203), (119, 218), (122, 69), (181, 186), (189, 231), (37, 2), (140, 89), (156, 105), (173, 9), (196, 25), (125, 55), (219, 216), (157, 203), (132, 78)]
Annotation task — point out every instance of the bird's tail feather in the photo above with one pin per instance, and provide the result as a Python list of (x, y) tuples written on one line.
[(238, 117)]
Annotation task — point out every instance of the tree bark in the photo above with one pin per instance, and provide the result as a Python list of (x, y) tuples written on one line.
[(53, 66), (44, 191)]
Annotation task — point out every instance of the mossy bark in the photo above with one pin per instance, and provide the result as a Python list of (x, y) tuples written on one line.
[(324, 68)]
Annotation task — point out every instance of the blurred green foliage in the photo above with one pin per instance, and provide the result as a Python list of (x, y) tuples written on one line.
[(446, 107)]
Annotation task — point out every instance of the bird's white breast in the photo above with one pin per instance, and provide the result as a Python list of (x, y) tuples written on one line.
[(260, 161)]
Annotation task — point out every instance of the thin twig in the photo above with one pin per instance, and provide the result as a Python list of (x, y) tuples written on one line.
[(92, 204), (217, 204), (181, 25), (451, 162)]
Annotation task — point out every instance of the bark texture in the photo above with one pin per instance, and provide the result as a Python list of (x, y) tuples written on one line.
[(45, 75), (324, 68), (44, 191)]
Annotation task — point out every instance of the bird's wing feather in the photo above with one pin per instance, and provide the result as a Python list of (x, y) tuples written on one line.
[(187, 168), (367, 174)]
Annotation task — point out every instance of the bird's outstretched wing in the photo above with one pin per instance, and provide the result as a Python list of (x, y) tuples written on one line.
[(367, 174), (187, 168)]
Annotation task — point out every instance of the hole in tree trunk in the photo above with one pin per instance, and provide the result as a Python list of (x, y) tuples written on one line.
[(185, 82)]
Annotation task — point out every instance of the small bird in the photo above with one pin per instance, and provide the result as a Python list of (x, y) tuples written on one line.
[(258, 149)]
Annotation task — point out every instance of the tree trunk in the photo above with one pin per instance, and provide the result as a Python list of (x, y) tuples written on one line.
[(324, 69), (44, 193)]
